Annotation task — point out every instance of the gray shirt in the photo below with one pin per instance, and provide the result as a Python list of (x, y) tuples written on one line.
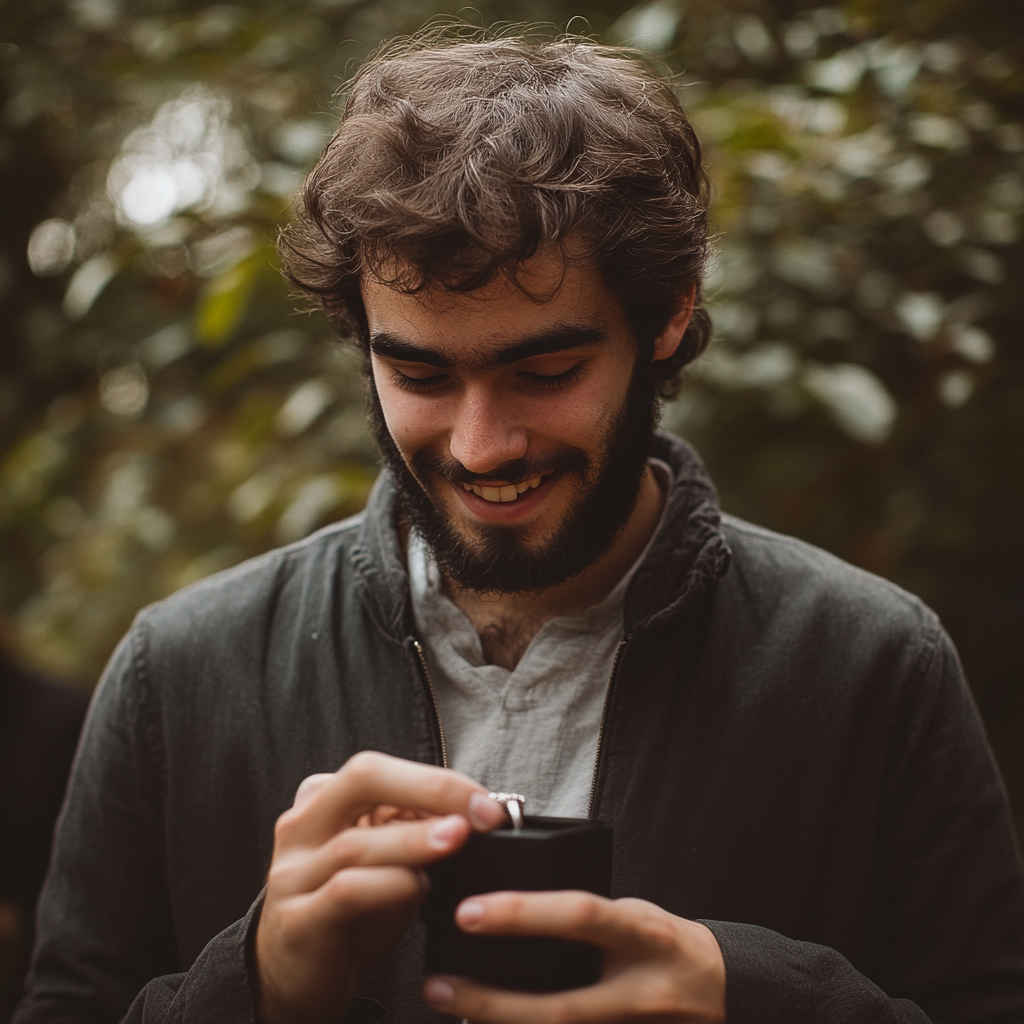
[(532, 730)]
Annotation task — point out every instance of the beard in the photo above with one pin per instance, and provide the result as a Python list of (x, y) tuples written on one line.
[(500, 559)]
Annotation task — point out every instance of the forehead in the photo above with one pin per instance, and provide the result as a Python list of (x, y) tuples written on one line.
[(550, 294)]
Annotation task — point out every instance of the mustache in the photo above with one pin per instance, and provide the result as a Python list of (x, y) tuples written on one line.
[(565, 459)]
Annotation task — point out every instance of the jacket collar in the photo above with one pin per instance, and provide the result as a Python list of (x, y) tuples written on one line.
[(689, 552), (688, 555)]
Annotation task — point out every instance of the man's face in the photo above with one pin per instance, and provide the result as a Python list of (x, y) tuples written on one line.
[(518, 429)]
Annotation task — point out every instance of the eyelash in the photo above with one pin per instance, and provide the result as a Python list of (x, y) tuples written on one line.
[(554, 382), (417, 385), (557, 380)]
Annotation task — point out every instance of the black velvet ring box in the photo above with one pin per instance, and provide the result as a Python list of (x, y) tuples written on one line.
[(547, 853)]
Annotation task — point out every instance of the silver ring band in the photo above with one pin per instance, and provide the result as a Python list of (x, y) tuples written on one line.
[(513, 804)]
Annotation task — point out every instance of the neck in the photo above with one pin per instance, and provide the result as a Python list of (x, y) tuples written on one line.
[(508, 622)]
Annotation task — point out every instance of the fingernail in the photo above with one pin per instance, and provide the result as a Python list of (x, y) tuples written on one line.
[(469, 912), (439, 993), (485, 813), (445, 832)]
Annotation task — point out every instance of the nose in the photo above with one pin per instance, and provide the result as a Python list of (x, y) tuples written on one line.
[(486, 432)]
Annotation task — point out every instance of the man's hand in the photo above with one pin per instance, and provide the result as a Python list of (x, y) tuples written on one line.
[(657, 967), (341, 892)]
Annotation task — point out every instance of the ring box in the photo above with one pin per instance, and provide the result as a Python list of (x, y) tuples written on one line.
[(546, 854)]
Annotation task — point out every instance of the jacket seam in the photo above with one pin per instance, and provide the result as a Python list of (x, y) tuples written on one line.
[(911, 695), (144, 701), (782, 540)]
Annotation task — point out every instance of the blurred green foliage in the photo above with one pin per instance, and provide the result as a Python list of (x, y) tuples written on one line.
[(165, 413)]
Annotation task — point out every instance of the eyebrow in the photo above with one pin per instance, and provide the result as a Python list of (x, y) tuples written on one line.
[(558, 339)]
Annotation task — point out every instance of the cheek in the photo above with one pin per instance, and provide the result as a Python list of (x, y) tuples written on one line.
[(412, 422), (581, 418)]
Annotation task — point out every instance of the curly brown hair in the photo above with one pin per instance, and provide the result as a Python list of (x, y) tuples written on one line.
[(460, 153)]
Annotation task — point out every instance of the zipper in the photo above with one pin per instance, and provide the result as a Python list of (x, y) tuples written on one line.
[(623, 644), (433, 701)]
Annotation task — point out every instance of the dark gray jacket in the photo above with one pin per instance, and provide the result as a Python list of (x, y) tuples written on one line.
[(790, 754)]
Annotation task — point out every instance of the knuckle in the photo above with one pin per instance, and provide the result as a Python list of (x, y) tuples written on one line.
[(279, 876), (658, 930), (664, 934), (633, 904), (508, 908), (286, 825), (360, 769), (407, 886), (584, 911), (660, 935), (345, 847), (415, 843), (311, 783), (342, 887), (438, 790)]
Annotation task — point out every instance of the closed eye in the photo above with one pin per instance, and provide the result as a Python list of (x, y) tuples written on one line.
[(417, 384), (553, 381)]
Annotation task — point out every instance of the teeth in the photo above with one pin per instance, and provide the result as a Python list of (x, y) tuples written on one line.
[(509, 492)]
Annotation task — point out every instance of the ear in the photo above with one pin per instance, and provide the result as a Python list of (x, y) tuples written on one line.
[(668, 341)]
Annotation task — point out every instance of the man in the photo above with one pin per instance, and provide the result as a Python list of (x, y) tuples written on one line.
[(541, 596)]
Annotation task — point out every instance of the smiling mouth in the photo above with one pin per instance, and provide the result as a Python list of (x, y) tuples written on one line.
[(505, 493)]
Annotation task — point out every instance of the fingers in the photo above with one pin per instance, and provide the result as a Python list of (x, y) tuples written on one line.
[(616, 925), (656, 966), (370, 778), (356, 891), (401, 843), (461, 997), (383, 813)]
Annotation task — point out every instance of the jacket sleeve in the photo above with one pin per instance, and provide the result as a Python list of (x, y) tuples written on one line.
[(106, 940), (948, 912), (771, 979), (105, 927), (215, 988), (107, 949)]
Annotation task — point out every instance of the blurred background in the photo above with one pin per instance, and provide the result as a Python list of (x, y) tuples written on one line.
[(164, 412)]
